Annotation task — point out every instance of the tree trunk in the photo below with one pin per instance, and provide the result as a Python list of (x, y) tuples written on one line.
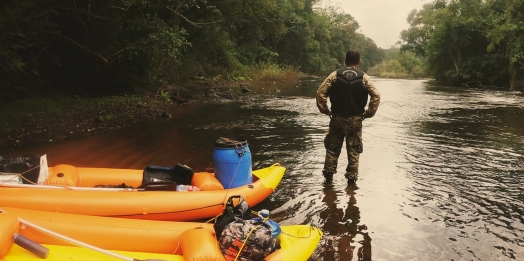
[(517, 81)]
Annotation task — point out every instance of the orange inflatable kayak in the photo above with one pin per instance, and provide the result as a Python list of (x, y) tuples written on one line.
[(70, 189), (130, 238)]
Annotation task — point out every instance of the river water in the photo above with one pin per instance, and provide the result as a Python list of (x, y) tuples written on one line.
[(440, 175)]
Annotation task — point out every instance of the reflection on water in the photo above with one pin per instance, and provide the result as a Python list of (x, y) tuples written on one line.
[(440, 173), (346, 237)]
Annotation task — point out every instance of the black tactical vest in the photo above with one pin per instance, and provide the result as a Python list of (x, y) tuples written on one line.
[(348, 95)]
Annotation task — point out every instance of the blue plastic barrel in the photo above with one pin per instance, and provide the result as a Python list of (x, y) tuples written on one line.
[(232, 162)]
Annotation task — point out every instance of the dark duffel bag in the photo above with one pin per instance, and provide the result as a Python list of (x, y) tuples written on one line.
[(180, 174), (231, 213)]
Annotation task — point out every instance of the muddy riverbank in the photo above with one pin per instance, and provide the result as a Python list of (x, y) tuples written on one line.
[(25, 126)]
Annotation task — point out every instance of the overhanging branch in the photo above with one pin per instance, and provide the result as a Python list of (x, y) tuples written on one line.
[(189, 21), (100, 56), (122, 8)]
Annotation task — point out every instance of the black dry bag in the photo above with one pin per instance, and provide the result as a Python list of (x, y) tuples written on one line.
[(180, 174), (232, 212)]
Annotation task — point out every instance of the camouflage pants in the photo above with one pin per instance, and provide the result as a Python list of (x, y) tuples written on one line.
[(349, 128)]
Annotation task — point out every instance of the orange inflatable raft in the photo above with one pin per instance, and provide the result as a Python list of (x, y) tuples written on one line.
[(130, 238), (70, 189)]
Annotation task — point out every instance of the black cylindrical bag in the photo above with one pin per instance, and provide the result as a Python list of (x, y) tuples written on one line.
[(232, 212)]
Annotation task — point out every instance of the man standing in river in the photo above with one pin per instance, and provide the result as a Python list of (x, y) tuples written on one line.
[(348, 91)]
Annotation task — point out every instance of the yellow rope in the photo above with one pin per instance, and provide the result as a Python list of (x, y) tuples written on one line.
[(248, 235), (214, 218)]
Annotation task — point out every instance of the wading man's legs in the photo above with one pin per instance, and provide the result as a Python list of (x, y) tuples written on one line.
[(354, 148), (340, 128), (333, 143)]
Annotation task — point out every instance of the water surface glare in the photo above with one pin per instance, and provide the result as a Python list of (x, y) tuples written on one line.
[(440, 175)]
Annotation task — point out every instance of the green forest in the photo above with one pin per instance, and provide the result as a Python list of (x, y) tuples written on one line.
[(86, 47), (108, 47), (469, 42)]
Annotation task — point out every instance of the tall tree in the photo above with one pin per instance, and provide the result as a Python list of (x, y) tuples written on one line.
[(508, 35)]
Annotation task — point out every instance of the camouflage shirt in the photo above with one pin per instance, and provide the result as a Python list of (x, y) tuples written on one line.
[(323, 94)]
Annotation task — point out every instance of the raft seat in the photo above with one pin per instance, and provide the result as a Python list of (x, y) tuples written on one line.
[(206, 181), (68, 175), (207, 248), (63, 175)]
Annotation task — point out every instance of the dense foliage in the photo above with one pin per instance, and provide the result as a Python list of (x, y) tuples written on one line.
[(99, 47), (468, 42), (397, 64)]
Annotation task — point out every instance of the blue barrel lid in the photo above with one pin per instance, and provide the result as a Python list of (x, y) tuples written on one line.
[(230, 143)]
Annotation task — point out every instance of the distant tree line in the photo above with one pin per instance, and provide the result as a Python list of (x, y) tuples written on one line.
[(470, 42), (101, 47), (399, 65)]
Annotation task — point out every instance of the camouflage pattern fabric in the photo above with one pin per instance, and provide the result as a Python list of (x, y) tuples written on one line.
[(345, 127), (349, 128), (259, 244)]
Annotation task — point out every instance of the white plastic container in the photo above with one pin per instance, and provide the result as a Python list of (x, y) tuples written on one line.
[(186, 188), (10, 179)]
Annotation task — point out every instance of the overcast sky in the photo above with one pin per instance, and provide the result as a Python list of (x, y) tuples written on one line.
[(380, 20)]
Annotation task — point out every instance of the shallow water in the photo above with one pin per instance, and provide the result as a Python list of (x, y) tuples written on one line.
[(440, 174)]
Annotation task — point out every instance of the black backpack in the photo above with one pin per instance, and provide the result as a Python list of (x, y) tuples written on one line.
[(180, 174), (231, 213)]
